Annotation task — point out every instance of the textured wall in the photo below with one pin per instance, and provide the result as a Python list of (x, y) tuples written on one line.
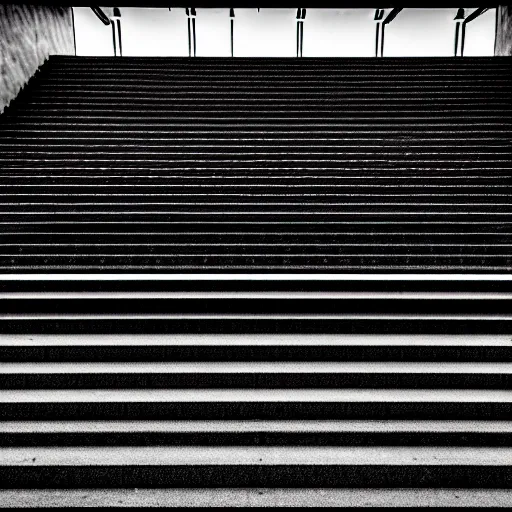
[(504, 31), (28, 34)]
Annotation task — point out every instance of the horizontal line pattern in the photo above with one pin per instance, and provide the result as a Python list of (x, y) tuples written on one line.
[(369, 377), (259, 165), (87, 410)]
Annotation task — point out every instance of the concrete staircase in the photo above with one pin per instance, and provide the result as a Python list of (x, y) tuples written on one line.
[(240, 396), (233, 274), (259, 165)]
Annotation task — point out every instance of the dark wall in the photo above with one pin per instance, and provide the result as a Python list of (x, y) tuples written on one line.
[(28, 34)]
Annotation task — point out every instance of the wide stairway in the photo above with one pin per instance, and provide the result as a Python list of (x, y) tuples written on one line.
[(258, 273)]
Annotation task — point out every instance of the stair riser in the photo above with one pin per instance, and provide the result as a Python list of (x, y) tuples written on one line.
[(256, 381), (466, 439), (256, 476), (252, 326), (250, 307), (415, 352), (255, 411)]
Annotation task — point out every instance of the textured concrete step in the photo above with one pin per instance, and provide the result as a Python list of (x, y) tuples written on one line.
[(263, 324), (289, 375), (256, 367), (257, 433), (233, 456), (240, 341), (367, 426), (251, 348), (251, 404), (255, 396), (252, 467), (257, 497)]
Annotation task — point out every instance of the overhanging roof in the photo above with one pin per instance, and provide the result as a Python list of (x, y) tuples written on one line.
[(323, 4)]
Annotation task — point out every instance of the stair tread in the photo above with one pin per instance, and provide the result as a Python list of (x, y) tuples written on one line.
[(198, 368), (239, 456), (217, 396), (244, 340), (355, 497), (234, 426)]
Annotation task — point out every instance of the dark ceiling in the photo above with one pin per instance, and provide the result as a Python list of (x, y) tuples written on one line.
[(258, 3)]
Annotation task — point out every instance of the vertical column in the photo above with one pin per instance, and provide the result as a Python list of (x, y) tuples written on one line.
[(379, 32), (382, 20), (460, 33), (301, 16), (232, 23), (115, 21), (74, 31), (191, 14)]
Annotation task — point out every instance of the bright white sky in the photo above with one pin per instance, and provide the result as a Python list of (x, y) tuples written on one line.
[(272, 33)]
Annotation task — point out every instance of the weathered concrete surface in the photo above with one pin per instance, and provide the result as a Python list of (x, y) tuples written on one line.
[(28, 35), (504, 31), (256, 497), (163, 456)]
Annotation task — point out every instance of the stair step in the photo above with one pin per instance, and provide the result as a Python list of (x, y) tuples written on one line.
[(256, 497), (264, 340), (116, 324), (392, 307), (234, 427), (16, 397), (257, 433), (259, 375), (254, 368), (254, 348), (247, 456), (252, 404), (258, 466)]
